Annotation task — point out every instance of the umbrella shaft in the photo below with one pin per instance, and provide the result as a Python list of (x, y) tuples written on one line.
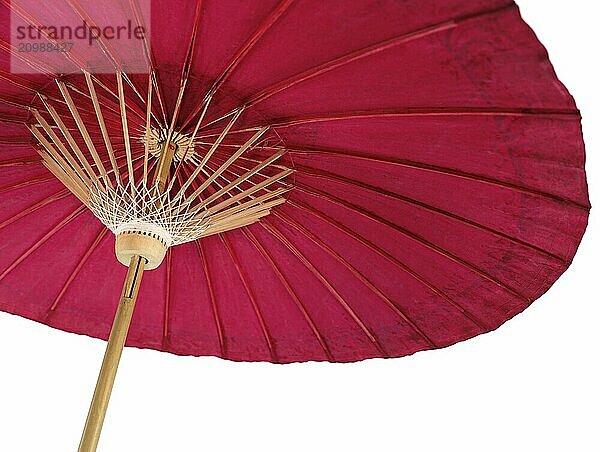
[(164, 165), (116, 341)]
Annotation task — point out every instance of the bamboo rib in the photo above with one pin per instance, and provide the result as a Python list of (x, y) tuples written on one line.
[(243, 178), (264, 184), (58, 143), (201, 118), (147, 135), (243, 51), (91, 175), (225, 165), (208, 154), (260, 203), (83, 130), (245, 199), (70, 140), (248, 215), (105, 135), (266, 198), (60, 168), (125, 131), (192, 138), (62, 176)]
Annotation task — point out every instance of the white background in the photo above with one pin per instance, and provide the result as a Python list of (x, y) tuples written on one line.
[(532, 385)]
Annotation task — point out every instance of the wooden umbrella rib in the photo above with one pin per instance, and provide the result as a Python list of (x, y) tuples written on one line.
[(37, 66), (83, 109), (253, 200), (150, 60), (102, 124), (243, 178), (213, 301), (168, 275), (222, 117), (17, 9), (74, 146), (14, 103), (202, 213), (42, 240), (156, 84), (356, 273), (65, 177), (104, 45), (191, 140), (413, 112), (441, 170), (13, 119), (83, 130), (213, 232), (16, 80), (243, 168), (136, 156), (135, 90), (76, 271), (147, 132), (252, 208), (234, 224), (235, 131), (265, 25), (206, 172), (81, 174), (138, 117), (321, 278), (34, 207), (231, 224), (107, 105), (50, 150), (27, 183), (380, 191), (252, 298), (416, 238), (62, 176), (238, 164), (185, 73), (381, 252), (374, 49), (207, 156), (241, 219), (293, 295), (139, 21), (275, 195), (262, 185), (219, 159), (251, 211), (58, 164), (125, 131), (225, 165), (206, 102)]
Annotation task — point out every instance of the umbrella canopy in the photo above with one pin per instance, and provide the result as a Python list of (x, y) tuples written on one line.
[(438, 185)]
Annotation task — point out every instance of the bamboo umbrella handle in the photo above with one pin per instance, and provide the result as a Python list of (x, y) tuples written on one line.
[(114, 348)]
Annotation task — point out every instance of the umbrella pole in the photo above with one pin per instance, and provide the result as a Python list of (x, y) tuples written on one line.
[(116, 341)]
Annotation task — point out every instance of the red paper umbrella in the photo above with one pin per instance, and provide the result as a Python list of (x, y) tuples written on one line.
[(311, 180)]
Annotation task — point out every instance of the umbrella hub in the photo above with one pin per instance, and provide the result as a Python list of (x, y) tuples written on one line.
[(156, 137), (149, 245)]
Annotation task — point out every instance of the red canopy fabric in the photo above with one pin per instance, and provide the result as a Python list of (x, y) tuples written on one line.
[(439, 186)]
